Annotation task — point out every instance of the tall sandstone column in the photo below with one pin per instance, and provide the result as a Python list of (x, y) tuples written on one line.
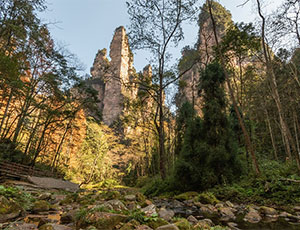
[(114, 84)]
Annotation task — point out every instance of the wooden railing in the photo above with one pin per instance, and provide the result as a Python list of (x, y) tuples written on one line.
[(10, 169)]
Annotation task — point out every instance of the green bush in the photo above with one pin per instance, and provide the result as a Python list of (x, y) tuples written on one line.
[(272, 187)]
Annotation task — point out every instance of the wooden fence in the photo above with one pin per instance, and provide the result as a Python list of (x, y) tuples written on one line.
[(19, 171)]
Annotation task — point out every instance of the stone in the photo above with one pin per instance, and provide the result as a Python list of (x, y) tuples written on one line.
[(229, 204), (143, 227), (21, 226), (166, 214), (207, 198), (130, 197), (219, 205), (131, 225), (45, 196), (192, 220), (233, 226), (117, 205), (208, 209), (186, 196), (149, 210), (8, 209), (204, 224), (269, 212), (41, 206), (49, 183), (101, 220), (54, 227), (252, 216), (168, 227), (68, 217), (297, 208), (285, 214), (226, 214)]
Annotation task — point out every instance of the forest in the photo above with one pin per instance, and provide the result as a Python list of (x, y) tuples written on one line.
[(217, 131)]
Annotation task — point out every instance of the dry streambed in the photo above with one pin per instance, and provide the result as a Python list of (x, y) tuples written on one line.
[(127, 209)]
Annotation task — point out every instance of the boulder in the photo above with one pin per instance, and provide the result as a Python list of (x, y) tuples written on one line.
[(186, 196), (45, 196), (192, 220), (8, 209), (41, 206), (252, 216), (204, 224), (101, 220), (166, 214), (117, 205), (143, 227), (21, 226), (130, 197), (226, 214), (68, 217), (149, 210), (269, 212), (168, 227), (54, 227)]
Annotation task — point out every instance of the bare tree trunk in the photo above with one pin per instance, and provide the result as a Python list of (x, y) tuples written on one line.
[(6, 110), (271, 133), (271, 76), (241, 122), (61, 143)]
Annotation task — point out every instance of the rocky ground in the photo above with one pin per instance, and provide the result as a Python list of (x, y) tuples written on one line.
[(24, 206)]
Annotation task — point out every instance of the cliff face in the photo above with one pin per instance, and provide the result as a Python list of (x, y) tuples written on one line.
[(112, 79), (188, 90)]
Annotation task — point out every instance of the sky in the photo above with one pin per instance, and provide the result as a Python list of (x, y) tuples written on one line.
[(85, 26)]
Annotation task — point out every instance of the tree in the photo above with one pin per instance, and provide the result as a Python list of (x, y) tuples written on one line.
[(156, 25), (209, 153), (223, 63), (271, 77)]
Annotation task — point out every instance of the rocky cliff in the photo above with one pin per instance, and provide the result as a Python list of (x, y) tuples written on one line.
[(188, 90), (113, 79)]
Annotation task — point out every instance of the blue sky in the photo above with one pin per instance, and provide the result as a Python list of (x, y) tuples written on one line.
[(84, 26)]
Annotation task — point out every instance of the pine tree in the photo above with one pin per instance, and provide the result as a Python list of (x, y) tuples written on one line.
[(209, 153)]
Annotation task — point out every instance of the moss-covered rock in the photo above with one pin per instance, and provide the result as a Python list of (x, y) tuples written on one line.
[(140, 197), (109, 195), (183, 224), (8, 209), (186, 196), (41, 206), (101, 220), (207, 198), (157, 222), (54, 227), (131, 225)]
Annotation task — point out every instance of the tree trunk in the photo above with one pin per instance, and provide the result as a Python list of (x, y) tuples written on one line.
[(272, 78), (6, 110), (271, 133), (61, 143), (241, 122)]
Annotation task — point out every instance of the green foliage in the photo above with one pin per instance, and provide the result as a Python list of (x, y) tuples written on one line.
[(24, 199), (160, 187), (273, 187), (209, 153), (91, 166)]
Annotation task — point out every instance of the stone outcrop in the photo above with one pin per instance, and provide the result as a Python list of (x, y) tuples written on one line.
[(113, 79), (189, 87)]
